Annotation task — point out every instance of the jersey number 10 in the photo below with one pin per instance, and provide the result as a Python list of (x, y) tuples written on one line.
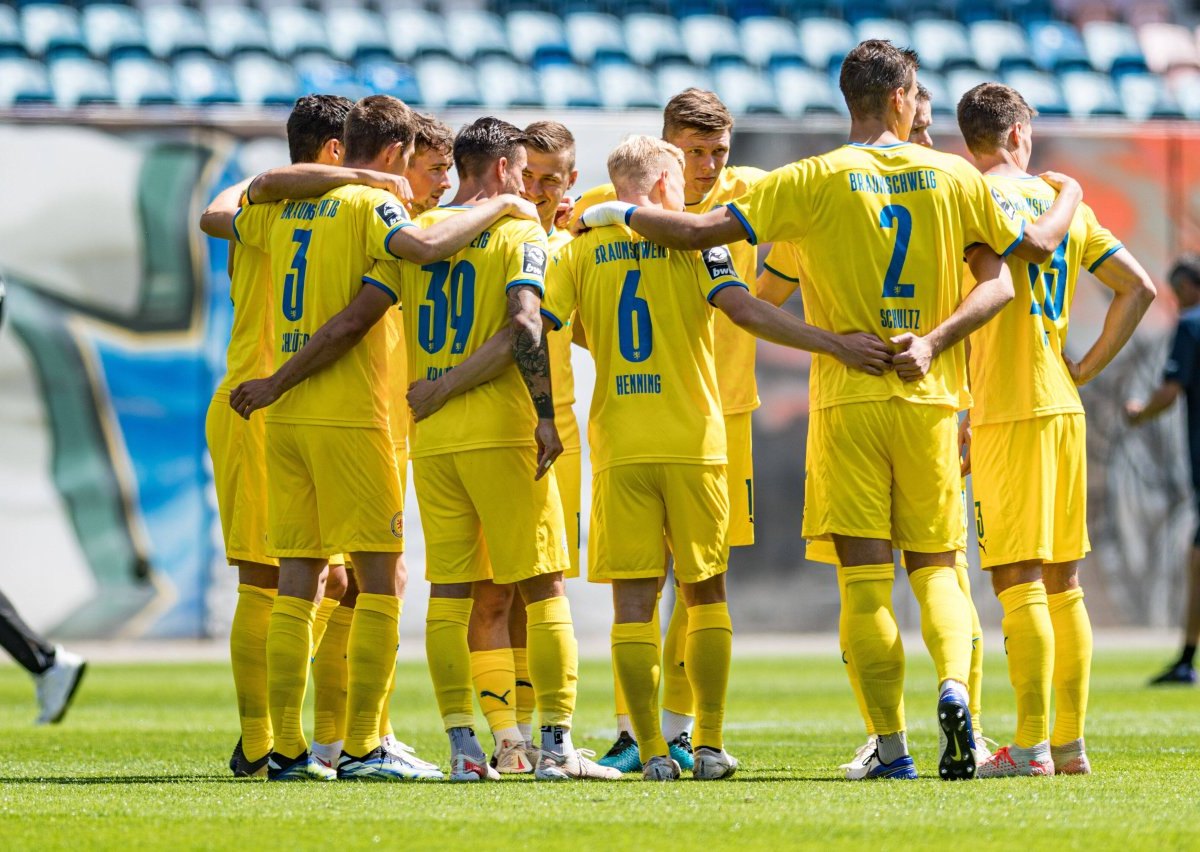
[(443, 311)]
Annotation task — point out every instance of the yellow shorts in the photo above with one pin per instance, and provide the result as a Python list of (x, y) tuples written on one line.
[(1030, 480), (887, 470), (641, 510), (569, 473), (400, 454), (486, 519), (332, 489), (238, 450), (740, 475)]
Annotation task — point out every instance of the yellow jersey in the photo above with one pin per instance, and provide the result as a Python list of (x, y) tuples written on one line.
[(397, 377), (1017, 367), (249, 353), (562, 375), (319, 250), (451, 308), (880, 233), (735, 363), (783, 261), (650, 329)]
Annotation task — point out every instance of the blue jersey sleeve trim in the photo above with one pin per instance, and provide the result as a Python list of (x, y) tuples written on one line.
[(527, 282), (751, 237), (1015, 242), (557, 322), (367, 279), (388, 238), (236, 233), (629, 213), (769, 268), (1105, 257), (715, 290)]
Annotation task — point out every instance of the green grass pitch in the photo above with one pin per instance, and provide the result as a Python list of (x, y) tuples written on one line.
[(140, 762)]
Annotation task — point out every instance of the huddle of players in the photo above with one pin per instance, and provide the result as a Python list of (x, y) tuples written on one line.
[(884, 424)]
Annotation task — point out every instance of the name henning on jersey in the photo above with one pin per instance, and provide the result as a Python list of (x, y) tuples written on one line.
[(631, 383), (914, 181)]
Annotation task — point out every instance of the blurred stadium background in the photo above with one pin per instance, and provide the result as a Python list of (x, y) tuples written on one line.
[(119, 122)]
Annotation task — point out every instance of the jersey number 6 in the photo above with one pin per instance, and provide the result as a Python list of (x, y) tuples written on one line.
[(635, 336)]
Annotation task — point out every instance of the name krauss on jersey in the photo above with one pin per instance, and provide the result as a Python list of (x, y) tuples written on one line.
[(719, 262), (533, 261)]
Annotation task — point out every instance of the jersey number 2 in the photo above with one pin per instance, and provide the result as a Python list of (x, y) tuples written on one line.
[(444, 311), (901, 219), (293, 282), (635, 336)]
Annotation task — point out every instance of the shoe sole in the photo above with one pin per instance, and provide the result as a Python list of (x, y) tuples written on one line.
[(955, 722), (70, 697)]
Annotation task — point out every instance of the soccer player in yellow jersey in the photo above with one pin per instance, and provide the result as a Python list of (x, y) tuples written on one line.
[(330, 466), (1029, 455), (881, 226), (699, 124), (649, 323), (428, 171)]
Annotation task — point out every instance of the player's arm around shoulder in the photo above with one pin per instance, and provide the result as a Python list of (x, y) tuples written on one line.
[(454, 233), (1043, 235), (217, 218)]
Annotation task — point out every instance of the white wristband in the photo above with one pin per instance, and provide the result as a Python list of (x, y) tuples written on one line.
[(607, 213)]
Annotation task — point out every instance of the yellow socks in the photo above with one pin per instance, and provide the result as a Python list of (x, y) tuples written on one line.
[(450, 659), (945, 622), (385, 713), (526, 700), (636, 660), (289, 644), (677, 689), (1072, 664), (370, 662), (494, 675), (325, 609), (709, 644), (847, 659), (248, 656), (329, 678), (975, 678), (1029, 643), (874, 643), (553, 660)]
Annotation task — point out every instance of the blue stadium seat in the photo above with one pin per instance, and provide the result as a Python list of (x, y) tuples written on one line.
[(1168, 46), (113, 30), (202, 80), (52, 29), (140, 81), (674, 77), (445, 82), (322, 74), (1113, 48), (1039, 88), (23, 81), (356, 34), (1057, 47), (745, 10), (234, 30), (920, 10), (711, 39), (939, 93), (387, 77), (856, 11), (745, 90), (687, 8), (505, 83), (1185, 85), (568, 86), (626, 86), (477, 34), (1090, 94), (537, 38), (824, 42), (296, 31), (974, 11), (653, 39), (897, 32), (1027, 12), (263, 80), (1000, 46), (961, 80), (11, 41), (595, 37), (174, 31), (1145, 96), (943, 45), (80, 81), (416, 33), (803, 91), (771, 42)]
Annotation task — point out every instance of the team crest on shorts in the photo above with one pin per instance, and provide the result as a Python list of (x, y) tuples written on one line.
[(398, 525)]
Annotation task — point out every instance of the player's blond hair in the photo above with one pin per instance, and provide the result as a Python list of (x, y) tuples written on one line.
[(697, 110), (638, 161)]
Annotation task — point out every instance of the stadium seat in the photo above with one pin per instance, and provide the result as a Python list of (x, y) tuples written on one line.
[(1145, 96), (537, 38), (824, 42), (970, 12), (1185, 85), (626, 86), (943, 45), (961, 80), (416, 33), (770, 42), (234, 30), (173, 31), (939, 93), (11, 43), (745, 90), (445, 82), (322, 74), (568, 86), (477, 34), (1039, 88), (388, 77), (674, 77), (711, 39), (897, 32), (1027, 12), (505, 83), (23, 81), (113, 30), (1000, 46), (140, 81), (1168, 46), (653, 39), (202, 80), (1057, 47), (746, 10), (595, 37), (80, 81), (356, 34), (262, 80), (803, 91), (857, 11), (1113, 48), (1090, 94), (51, 29), (296, 30)]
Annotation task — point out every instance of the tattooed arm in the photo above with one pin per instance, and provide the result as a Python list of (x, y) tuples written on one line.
[(533, 360)]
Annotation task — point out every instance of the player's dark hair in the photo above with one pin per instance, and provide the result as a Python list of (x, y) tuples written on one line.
[(697, 110), (315, 119), (986, 114), (871, 72), (923, 94), (484, 141), (433, 134), (1186, 268), (550, 137), (373, 124)]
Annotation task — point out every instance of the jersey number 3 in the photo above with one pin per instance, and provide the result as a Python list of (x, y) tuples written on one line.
[(293, 282), (444, 311)]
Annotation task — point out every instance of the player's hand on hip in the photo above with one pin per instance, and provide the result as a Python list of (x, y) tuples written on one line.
[(549, 446), (914, 358), (964, 446), (425, 398), (250, 396), (865, 352)]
